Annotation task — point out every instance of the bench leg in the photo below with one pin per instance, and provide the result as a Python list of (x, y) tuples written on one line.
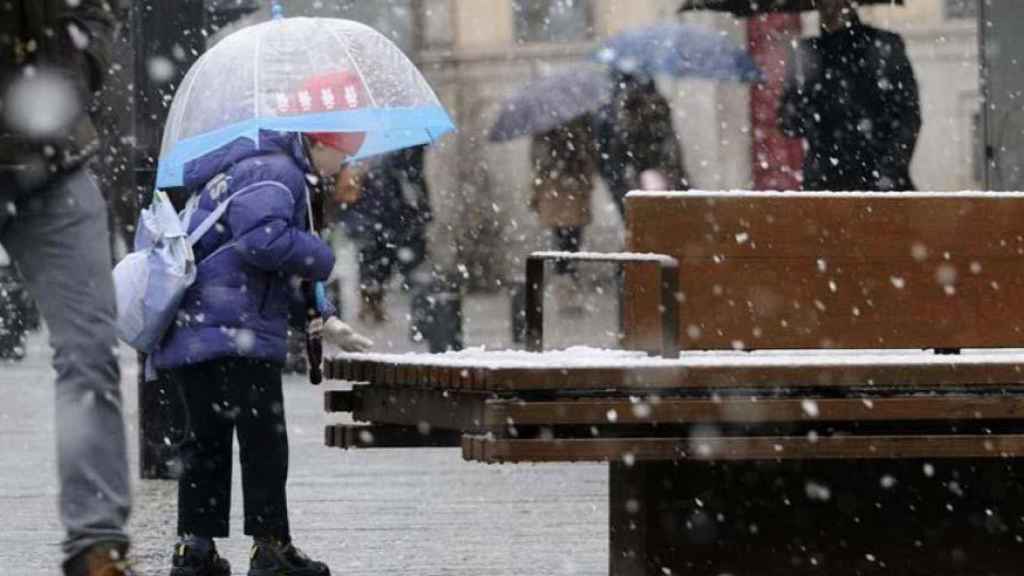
[(643, 508), (627, 526), (654, 527), (936, 517)]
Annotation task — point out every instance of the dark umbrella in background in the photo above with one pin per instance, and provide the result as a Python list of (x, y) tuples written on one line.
[(678, 50), (754, 7), (220, 13), (550, 102)]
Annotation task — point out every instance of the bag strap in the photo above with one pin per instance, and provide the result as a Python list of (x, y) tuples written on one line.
[(192, 205), (210, 220), (205, 225)]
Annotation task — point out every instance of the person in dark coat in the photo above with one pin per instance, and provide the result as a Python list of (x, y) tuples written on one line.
[(851, 95), (637, 145), (54, 58), (387, 216)]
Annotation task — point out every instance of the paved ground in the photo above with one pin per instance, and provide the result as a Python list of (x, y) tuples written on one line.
[(416, 512)]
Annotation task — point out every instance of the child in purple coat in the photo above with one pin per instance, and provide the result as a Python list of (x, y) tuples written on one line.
[(227, 349)]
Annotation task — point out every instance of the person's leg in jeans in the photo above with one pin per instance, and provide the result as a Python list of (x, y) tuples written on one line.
[(59, 240), (204, 488), (263, 448)]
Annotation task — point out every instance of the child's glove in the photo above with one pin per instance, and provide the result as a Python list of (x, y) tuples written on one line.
[(343, 336)]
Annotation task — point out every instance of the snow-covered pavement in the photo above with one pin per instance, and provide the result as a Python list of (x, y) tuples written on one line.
[(410, 512)]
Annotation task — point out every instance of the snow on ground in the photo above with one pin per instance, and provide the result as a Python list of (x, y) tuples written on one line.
[(422, 512)]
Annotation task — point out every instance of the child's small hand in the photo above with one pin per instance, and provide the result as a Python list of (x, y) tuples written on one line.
[(343, 336)]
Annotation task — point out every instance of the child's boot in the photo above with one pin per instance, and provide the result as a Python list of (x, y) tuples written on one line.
[(196, 556), (272, 557)]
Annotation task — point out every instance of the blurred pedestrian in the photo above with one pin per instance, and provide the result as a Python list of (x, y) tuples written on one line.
[(386, 210), (851, 95), (564, 164), (227, 349), (54, 57), (637, 145)]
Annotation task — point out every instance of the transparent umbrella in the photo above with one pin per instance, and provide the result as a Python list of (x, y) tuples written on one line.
[(300, 75)]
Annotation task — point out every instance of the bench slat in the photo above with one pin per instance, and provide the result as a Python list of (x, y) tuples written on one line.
[(339, 401), (477, 412), (831, 270), (420, 408), (346, 436), (749, 410), (739, 374), (485, 449)]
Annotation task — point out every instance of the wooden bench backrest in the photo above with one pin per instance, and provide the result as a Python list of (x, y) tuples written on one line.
[(809, 270)]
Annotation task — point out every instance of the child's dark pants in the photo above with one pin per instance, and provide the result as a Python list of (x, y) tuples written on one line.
[(222, 396)]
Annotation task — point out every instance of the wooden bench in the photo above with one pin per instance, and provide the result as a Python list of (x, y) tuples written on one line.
[(848, 399)]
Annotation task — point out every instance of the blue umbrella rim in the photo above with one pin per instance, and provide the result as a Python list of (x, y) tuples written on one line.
[(387, 129)]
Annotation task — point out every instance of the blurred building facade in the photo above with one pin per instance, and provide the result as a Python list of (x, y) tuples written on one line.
[(476, 52)]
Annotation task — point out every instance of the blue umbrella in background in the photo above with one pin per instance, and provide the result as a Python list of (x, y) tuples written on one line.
[(551, 102), (678, 50)]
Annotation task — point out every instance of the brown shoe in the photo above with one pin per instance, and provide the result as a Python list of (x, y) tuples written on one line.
[(107, 559)]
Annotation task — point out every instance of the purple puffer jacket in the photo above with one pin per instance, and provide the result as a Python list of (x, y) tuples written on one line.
[(239, 304)]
